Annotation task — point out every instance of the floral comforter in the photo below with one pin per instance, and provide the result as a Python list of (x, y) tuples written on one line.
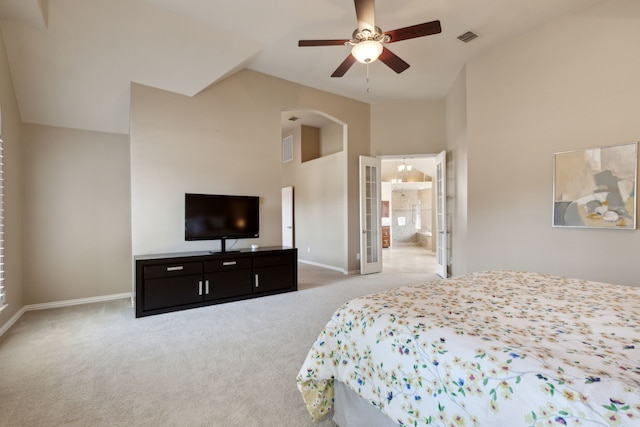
[(498, 348)]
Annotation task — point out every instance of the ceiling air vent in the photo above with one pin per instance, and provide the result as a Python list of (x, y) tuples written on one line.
[(468, 36)]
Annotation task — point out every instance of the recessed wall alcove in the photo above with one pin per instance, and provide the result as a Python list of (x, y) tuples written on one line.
[(316, 168)]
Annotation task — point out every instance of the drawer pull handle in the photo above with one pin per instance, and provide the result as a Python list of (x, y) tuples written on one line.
[(200, 287), (257, 281), (176, 268), (229, 262), (206, 287)]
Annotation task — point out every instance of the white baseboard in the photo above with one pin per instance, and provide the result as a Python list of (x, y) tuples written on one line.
[(11, 321), (78, 301), (57, 304), (328, 267)]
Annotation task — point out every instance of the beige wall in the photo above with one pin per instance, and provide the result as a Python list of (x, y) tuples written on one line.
[(331, 139), (309, 142), (319, 200), (320, 207), (11, 135), (571, 85), (456, 113), (357, 117), (411, 127), (227, 139), (76, 214)]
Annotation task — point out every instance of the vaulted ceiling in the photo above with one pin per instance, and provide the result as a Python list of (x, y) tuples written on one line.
[(72, 61)]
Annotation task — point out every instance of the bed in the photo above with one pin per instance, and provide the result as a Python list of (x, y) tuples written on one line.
[(496, 348)]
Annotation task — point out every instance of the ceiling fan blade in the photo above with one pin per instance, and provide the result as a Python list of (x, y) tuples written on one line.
[(393, 61), (303, 43), (365, 12), (420, 30), (344, 67)]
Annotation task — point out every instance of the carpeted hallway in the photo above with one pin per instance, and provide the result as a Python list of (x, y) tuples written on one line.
[(225, 365)]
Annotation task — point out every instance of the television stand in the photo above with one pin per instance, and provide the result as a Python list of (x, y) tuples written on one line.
[(179, 281), (223, 247)]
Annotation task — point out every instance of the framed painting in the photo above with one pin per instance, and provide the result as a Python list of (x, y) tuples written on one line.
[(596, 188)]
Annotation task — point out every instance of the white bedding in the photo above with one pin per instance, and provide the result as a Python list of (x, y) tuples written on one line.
[(495, 348)]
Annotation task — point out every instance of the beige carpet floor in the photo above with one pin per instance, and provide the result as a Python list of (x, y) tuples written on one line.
[(225, 365)]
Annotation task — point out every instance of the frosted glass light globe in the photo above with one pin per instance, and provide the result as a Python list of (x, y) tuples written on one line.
[(367, 51)]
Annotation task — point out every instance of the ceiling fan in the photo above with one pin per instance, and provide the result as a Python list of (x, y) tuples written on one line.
[(368, 39)]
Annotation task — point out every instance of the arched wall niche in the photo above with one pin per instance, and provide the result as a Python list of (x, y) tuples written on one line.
[(315, 165)]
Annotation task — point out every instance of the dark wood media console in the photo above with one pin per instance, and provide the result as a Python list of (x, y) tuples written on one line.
[(179, 281)]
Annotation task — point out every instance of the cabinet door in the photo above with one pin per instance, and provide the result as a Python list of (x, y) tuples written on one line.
[(273, 278), (172, 291), (273, 272), (227, 277), (228, 284)]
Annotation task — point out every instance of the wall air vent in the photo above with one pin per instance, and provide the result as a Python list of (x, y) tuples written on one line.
[(468, 36), (287, 149)]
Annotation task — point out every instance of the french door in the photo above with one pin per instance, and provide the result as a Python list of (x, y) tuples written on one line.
[(370, 222), (441, 214)]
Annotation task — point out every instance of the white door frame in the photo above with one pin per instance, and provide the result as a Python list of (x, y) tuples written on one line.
[(440, 235), (287, 217), (370, 220), (441, 214)]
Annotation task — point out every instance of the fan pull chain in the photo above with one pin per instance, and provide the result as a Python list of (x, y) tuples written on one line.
[(368, 89)]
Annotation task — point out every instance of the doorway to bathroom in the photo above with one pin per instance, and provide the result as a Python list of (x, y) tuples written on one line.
[(408, 214)]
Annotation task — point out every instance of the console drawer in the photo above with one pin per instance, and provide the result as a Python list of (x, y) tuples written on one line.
[(276, 259), (227, 264), (171, 270)]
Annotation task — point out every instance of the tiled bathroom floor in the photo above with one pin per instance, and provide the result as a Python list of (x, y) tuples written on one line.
[(408, 258)]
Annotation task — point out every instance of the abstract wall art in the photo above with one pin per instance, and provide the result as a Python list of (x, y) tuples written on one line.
[(596, 188)]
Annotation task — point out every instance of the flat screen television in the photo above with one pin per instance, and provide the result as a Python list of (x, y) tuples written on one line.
[(221, 217)]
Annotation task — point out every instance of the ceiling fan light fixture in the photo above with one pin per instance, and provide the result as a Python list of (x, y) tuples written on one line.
[(367, 51)]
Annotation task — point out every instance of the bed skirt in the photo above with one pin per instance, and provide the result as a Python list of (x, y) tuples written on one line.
[(350, 410)]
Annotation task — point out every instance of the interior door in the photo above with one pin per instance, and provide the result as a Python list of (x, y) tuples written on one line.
[(287, 217), (441, 214), (370, 222)]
